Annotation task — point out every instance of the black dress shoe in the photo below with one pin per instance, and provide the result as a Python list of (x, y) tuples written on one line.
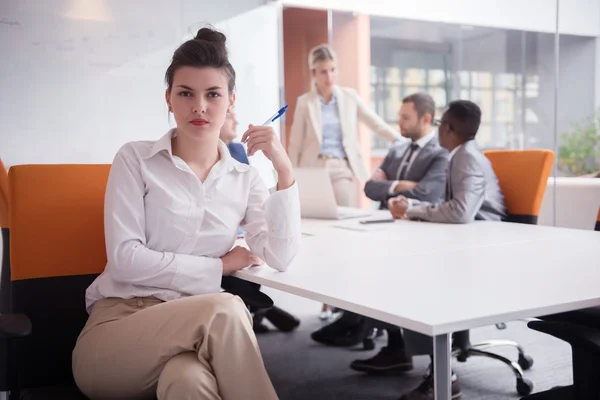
[(260, 328), (425, 391), (387, 360), (332, 335), (282, 320), (257, 323), (342, 324)]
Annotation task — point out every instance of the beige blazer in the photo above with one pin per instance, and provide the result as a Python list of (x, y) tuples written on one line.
[(307, 129)]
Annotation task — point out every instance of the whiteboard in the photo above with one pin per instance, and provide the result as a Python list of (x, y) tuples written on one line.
[(78, 79)]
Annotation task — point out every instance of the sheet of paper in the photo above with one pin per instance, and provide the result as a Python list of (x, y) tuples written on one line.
[(356, 226)]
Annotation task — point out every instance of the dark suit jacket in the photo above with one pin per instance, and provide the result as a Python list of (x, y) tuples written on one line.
[(428, 169), (244, 289)]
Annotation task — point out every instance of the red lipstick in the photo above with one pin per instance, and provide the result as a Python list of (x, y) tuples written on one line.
[(199, 122)]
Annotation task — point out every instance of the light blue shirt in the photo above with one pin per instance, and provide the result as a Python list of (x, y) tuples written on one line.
[(331, 144)]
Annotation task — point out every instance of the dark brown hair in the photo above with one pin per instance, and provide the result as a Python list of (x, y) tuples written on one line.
[(207, 49), (423, 103)]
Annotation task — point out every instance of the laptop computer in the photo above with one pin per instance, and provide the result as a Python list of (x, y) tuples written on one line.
[(317, 199)]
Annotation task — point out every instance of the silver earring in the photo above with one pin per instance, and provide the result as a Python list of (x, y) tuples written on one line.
[(170, 109)]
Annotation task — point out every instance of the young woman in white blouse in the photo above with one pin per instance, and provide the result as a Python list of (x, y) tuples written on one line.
[(158, 325)]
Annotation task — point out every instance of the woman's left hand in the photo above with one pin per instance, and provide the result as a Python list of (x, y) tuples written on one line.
[(263, 138)]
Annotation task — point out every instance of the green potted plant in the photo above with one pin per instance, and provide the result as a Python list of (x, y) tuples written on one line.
[(579, 151)]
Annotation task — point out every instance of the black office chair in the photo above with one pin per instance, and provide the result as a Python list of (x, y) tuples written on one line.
[(584, 339), (581, 329)]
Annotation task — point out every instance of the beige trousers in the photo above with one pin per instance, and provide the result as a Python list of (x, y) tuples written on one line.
[(200, 347), (345, 185)]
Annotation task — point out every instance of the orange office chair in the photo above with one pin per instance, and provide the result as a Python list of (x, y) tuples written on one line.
[(57, 250), (598, 221), (523, 176), (4, 290), (3, 196)]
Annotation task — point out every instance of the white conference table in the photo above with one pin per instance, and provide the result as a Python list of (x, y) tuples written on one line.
[(440, 278)]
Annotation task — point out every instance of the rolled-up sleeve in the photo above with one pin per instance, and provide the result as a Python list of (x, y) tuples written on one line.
[(272, 223), (129, 258)]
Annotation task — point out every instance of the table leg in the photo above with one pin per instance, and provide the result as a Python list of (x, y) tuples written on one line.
[(442, 370)]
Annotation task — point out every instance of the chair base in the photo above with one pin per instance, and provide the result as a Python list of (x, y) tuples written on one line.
[(523, 386), (564, 393)]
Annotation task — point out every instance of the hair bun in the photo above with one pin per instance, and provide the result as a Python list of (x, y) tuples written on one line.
[(211, 35), (206, 49)]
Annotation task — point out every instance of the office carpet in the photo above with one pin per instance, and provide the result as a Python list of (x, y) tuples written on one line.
[(302, 369)]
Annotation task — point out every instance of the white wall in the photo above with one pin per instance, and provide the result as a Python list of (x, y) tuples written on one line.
[(80, 78), (578, 17), (254, 43), (577, 202), (576, 97), (597, 76)]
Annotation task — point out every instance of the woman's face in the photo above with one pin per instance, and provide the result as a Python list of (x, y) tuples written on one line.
[(324, 74), (199, 99)]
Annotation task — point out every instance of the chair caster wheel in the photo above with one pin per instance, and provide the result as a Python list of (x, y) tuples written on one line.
[(368, 344), (524, 387), (525, 361)]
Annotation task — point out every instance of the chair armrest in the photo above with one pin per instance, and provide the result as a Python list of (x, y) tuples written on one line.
[(14, 326), (578, 336)]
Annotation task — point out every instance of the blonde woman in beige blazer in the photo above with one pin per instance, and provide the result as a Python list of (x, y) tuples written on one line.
[(324, 131)]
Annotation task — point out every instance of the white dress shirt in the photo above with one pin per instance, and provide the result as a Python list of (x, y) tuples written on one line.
[(332, 136), (453, 152), (421, 143), (166, 230)]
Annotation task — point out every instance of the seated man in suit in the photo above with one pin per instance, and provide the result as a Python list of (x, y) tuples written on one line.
[(415, 168), (249, 291), (472, 189), (472, 193)]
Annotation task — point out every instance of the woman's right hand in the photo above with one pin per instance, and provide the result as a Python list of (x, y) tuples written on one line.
[(238, 258)]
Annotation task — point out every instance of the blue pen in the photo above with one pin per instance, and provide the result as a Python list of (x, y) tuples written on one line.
[(276, 116)]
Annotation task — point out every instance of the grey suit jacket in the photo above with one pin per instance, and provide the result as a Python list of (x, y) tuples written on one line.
[(428, 169), (473, 192)]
